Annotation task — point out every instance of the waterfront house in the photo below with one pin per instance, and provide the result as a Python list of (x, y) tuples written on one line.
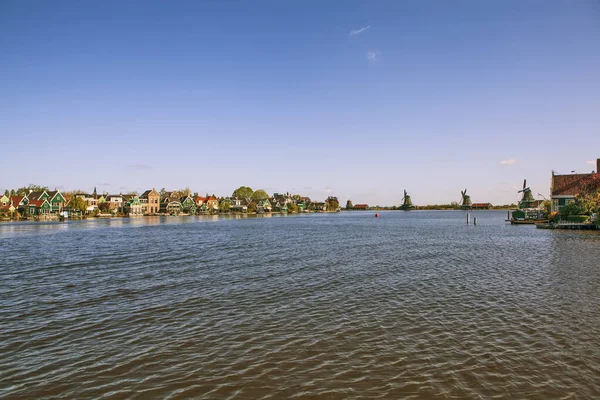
[(280, 206), (565, 188), (57, 201), (212, 203), (200, 201), (132, 206), (301, 205), (38, 199), (188, 205), (361, 207), (20, 202), (318, 206), (7, 206), (91, 201), (238, 205), (264, 206), (150, 201), (481, 206), (282, 199), (116, 202)]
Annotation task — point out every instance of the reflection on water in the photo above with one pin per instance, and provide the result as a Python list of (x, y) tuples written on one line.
[(324, 305)]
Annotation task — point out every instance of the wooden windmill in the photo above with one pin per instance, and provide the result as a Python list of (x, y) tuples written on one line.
[(465, 203), (527, 200), (407, 204)]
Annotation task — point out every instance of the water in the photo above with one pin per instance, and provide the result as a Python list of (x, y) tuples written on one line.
[(408, 305)]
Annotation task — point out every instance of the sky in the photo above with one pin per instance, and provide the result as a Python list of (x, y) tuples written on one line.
[(357, 99)]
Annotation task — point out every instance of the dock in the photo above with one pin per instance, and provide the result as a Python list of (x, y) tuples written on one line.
[(568, 225)]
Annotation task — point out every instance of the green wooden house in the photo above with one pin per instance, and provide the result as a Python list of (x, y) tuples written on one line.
[(188, 205)]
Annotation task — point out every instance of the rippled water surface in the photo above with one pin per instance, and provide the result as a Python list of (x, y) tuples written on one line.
[(409, 305)]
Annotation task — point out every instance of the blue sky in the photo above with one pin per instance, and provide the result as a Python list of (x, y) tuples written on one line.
[(357, 99)]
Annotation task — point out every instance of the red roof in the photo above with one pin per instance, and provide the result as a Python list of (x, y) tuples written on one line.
[(210, 198), (37, 203), (360, 206), (16, 200), (568, 185)]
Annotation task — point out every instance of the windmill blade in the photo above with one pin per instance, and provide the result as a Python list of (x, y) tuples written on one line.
[(465, 190), (524, 183)]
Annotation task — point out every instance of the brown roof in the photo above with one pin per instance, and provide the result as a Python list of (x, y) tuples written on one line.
[(360, 206), (568, 185), (16, 200)]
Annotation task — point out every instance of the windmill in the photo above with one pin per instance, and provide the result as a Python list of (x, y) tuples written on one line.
[(406, 202), (465, 203), (527, 200)]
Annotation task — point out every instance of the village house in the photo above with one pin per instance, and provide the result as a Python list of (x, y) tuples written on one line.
[(170, 203), (116, 202), (360, 207), (565, 188), (150, 201), (279, 205), (481, 206), (264, 206), (7, 206), (318, 206), (238, 205), (91, 201), (45, 203), (212, 203), (132, 206), (188, 205)]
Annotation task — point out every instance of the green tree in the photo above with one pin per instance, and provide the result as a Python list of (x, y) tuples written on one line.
[(252, 207), (104, 206), (332, 203), (292, 208), (589, 196), (7, 193), (78, 204), (184, 192), (31, 188), (224, 206), (243, 192), (547, 206), (259, 195), (162, 192)]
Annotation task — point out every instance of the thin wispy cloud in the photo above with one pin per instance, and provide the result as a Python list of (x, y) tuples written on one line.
[(372, 55), (359, 31), (591, 162), (510, 161)]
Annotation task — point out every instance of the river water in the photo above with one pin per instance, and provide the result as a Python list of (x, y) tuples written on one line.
[(408, 305)]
